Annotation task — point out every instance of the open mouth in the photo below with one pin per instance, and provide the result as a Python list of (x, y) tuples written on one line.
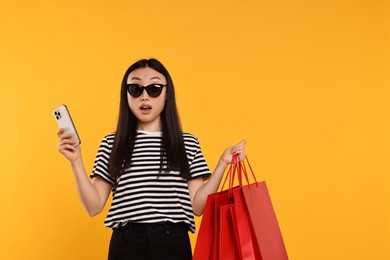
[(145, 108)]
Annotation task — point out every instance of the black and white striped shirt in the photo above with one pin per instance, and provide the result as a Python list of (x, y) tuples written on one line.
[(142, 193)]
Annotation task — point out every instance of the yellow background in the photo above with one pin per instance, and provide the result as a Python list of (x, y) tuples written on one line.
[(306, 83)]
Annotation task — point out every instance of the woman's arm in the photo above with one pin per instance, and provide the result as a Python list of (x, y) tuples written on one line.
[(93, 195), (200, 190)]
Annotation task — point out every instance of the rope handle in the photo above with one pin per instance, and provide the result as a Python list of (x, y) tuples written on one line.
[(238, 167)]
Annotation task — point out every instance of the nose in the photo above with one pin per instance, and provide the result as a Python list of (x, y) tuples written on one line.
[(144, 95)]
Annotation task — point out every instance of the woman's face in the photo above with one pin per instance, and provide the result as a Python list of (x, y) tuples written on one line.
[(147, 109)]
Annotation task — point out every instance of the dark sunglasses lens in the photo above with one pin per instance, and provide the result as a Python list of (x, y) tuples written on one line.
[(135, 90), (154, 90)]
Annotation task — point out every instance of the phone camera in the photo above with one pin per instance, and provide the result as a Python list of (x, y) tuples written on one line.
[(57, 114)]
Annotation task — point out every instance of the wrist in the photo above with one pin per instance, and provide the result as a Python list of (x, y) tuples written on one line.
[(76, 162), (223, 163)]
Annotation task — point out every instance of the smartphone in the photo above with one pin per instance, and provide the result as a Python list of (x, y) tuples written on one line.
[(64, 120)]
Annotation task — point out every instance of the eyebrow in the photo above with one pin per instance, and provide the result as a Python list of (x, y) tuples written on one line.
[(136, 78)]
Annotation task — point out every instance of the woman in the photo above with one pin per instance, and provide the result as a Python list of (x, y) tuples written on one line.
[(155, 171)]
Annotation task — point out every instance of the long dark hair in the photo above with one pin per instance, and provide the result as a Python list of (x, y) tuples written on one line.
[(173, 149)]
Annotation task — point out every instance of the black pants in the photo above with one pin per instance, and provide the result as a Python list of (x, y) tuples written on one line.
[(150, 241)]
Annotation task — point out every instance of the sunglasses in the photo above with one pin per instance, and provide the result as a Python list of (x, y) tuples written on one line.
[(153, 90)]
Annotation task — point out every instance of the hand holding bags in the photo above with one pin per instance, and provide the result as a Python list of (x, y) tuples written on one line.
[(240, 223)]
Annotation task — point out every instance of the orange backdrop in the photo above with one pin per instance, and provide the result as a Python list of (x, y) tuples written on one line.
[(306, 83)]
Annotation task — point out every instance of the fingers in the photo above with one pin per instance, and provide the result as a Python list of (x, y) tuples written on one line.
[(66, 142), (67, 146), (60, 132), (239, 149)]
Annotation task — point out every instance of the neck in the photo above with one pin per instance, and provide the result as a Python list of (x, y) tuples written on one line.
[(149, 127)]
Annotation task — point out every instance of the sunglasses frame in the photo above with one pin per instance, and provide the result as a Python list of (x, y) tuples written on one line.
[(147, 88)]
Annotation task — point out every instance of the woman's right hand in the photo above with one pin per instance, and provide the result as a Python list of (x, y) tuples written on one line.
[(93, 194), (66, 146)]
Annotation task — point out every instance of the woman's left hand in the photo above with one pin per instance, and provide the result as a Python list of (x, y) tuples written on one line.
[(238, 149)]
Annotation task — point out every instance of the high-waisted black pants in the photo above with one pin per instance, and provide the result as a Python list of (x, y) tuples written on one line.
[(160, 241)]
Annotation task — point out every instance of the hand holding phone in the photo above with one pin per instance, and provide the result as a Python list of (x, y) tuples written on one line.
[(64, 121)]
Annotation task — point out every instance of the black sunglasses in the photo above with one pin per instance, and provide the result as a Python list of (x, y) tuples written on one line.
[(153, 90)]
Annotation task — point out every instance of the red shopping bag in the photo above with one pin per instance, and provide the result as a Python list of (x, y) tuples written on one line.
[(207, 244), (264, 222), (244, 234), (221, 199), (228, 247), (240, 223), (264, 225)]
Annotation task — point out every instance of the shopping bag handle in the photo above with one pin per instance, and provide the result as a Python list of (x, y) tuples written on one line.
[(238, 167), (245, 171), (230, 174)]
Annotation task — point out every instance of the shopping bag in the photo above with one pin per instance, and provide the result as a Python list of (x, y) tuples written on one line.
[(240, 223), (228, 247), (268, 240), (244, 234), (221, 199), (264, 222), (207, 244)]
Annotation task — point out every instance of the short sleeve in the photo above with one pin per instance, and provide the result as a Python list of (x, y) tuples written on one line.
[(100, 166), (196, 160)]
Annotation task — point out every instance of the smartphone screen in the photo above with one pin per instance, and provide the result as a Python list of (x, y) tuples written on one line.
[(64, 120)]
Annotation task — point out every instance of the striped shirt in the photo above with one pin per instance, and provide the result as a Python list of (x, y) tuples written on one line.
[(142, 193)]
